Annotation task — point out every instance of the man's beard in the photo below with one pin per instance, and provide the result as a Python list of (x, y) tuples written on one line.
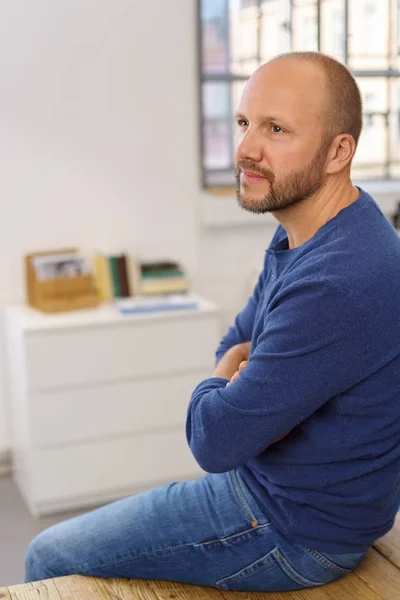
[(295, 188)]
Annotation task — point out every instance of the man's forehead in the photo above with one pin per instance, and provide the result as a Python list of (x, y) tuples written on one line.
[(291, 71), (286, 89)]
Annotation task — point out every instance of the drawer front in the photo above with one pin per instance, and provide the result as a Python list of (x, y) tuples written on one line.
[(112, 465), (110, 410), (57, 359)]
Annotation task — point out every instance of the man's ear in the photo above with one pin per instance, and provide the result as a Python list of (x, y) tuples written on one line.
[(340, 153)]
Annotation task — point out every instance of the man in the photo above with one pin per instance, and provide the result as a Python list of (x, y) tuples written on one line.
[(299, 425)]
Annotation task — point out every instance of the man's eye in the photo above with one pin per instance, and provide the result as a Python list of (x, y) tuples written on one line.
[(276, 129), (242, 123)]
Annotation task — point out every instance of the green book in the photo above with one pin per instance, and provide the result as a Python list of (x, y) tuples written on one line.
[(114, 276), (162, 274)]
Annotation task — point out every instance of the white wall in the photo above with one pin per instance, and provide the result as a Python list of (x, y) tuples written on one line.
[(98, 132)]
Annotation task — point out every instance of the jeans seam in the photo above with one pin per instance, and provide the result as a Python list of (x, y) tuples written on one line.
[(290, 572), (249, 570), (233, 536), (242, 499), (326, 562), (239, 576)]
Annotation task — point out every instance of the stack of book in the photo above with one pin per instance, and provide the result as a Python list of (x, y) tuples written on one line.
[(116, 276), (121, 276), (162, 278)]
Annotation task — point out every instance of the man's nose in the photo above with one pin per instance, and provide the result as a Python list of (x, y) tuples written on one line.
[(249, 146)]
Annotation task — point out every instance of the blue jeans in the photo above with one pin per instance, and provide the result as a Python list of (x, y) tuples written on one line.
[(209, 532)]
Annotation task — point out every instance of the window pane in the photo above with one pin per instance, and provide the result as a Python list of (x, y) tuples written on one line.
[(238, 35), (244, 67), (237, 90), (395, 121), (244, 37), (333, 28), (217, 144), (368, 171), (394, 18), (275, 28), (305, 25), (214, 35), (375, 93), (369, 37), (397, 22), (216, 100), (247, 3), (372, 149)]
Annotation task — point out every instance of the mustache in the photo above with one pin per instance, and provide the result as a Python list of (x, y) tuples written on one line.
[(246, 164)]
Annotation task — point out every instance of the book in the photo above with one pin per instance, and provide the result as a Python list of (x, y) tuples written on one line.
[(162, 274), (133, 270), (103, 277), (158, 266), (122, 276), (162, 277), (117, 275), (163, 286), (116, 287), (137, 305)]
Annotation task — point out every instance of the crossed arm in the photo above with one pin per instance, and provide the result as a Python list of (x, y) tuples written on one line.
[(312, 349), (229, 362)]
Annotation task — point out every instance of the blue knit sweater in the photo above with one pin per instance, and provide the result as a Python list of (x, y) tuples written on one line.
[(324, 325)]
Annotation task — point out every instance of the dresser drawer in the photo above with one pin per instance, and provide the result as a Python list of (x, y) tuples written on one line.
[(55, 359), (111, 409), (108, 467)]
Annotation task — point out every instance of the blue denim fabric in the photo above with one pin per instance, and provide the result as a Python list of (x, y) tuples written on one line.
[(209, 532)]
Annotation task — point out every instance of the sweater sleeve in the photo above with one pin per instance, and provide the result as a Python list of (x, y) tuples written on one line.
[(242, 329), (312, 349)]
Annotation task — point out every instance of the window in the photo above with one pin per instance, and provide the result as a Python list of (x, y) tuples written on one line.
[(236, 36)]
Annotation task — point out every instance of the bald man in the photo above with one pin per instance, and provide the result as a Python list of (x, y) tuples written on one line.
[(298, 427)]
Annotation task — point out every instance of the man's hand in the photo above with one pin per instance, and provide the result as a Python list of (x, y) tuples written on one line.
[(235, 376), (229, 363)]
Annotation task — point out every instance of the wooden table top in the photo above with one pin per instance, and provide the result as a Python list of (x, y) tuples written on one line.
[(376, 578)]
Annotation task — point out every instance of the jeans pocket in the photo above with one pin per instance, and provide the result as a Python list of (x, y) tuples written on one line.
[(337, 563), (274, 572)]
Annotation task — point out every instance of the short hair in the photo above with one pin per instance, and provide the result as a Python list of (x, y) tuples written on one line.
[(345, 107)]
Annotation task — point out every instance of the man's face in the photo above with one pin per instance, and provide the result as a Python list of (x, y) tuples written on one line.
[(282, 147)]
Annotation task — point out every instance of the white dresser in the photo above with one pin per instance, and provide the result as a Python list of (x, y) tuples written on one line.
[(98, 400)]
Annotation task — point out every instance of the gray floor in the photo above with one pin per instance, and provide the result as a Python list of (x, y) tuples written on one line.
[(17, 528)]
